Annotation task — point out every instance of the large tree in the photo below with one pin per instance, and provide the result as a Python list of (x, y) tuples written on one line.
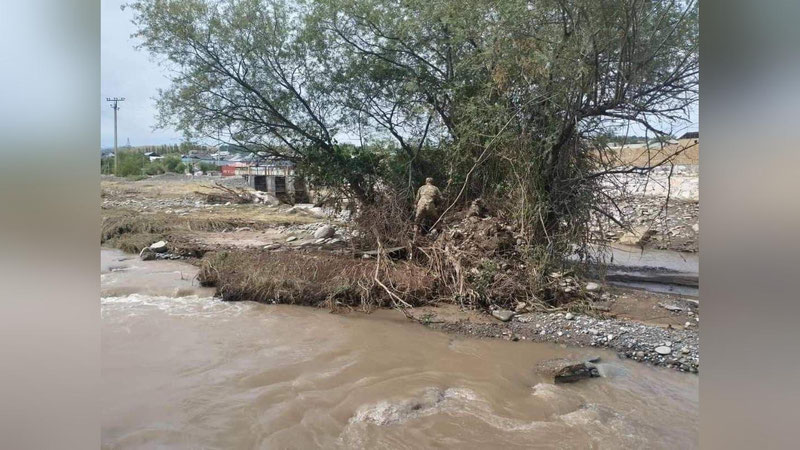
[(509, 100)]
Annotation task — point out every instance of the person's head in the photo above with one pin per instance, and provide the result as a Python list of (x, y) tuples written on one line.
[(429, 180)]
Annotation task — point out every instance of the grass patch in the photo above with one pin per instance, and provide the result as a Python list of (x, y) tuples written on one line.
[(312, 279), (122, 222), (117, 223), (134, 243)]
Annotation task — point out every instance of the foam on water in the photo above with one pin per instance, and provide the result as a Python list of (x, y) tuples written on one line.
[(190, 305)]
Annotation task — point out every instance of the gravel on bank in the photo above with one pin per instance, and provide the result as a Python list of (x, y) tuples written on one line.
[(666, 347)]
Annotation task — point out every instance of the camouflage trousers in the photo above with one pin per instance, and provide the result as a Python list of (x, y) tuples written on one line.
[(425, 216)]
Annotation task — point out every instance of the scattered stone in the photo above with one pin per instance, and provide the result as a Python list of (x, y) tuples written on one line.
[(291, 238), (503, 315), (569, 316), (685, 350), (159, 247), (592, 286), (272, 246), (663, 350), (520, 307), (696, 227), (673, 308), (325, 231)]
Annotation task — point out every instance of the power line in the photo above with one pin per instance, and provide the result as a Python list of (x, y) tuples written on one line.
[(115, 106)]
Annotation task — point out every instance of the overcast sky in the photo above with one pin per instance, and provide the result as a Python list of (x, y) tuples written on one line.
[(130, 73), (133, 74)]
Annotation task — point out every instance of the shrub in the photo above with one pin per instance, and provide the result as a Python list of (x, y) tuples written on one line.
[(154, 168), (207, 167), (130, 164), (172, 163)]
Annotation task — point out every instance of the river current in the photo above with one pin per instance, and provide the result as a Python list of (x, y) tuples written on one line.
[(181, 369)]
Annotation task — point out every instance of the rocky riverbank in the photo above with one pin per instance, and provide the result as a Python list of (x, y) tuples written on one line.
[(664, 345)]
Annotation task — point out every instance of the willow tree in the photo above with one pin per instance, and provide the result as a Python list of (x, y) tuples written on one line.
[(506, 99), (518, 92), (246, 73)]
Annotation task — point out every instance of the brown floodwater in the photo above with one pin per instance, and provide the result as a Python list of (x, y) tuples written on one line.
[(191, 371)]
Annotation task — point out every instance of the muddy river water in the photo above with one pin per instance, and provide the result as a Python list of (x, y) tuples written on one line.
[(181, 369)]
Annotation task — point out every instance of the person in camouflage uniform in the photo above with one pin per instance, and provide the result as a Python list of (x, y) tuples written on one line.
[(428, 199)]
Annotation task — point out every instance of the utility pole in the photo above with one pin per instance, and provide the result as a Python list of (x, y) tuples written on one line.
[(115, 106)]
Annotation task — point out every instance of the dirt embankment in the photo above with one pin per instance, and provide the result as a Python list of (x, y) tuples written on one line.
[(281, 254)]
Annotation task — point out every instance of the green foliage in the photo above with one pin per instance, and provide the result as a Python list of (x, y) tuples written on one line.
[(154, 168), (507, 99), (130, 163), (172, 163), (107, 166), (207, 167)]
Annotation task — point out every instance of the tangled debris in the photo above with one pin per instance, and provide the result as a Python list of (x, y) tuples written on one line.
[(482, 263)]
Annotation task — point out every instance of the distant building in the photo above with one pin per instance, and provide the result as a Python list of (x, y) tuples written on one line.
[(230, 169), (275, 176), (152, 156)]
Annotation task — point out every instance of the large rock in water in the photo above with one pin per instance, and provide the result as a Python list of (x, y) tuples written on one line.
[(325, 231), (566, 370)]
